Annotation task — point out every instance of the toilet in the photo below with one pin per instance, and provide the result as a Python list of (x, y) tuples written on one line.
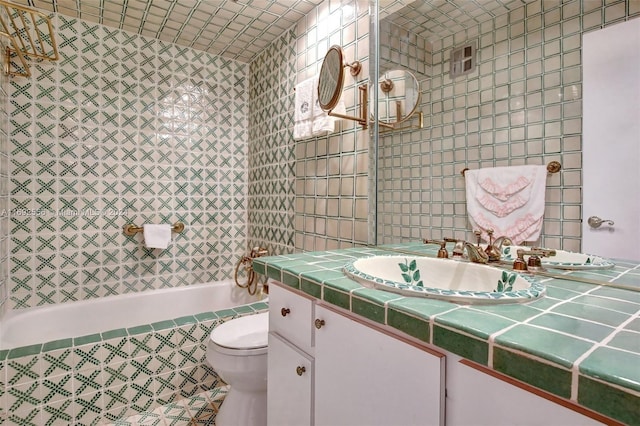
[(237, 351)]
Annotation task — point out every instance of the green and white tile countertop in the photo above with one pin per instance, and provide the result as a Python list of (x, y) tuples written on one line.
[(581, 341)]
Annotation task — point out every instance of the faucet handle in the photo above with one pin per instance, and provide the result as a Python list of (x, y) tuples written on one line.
[(519, 264), (543, 252), (458, 248), (478, 235), (442, 252), (534, 258)]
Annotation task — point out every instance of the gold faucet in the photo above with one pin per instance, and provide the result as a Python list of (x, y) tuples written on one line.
[(442, 252), (475, 253), (493, 252), (502, 241), (534, 262)]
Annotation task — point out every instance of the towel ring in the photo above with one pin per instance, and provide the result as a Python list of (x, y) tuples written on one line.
[(552, 167)]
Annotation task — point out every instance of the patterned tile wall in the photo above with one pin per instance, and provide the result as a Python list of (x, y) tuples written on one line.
[(4, 193), (271, 147), (124, 129), (401, 48), (331, 202), (522, 106), (104, 377)]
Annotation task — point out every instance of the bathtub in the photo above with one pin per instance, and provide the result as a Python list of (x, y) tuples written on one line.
[(97, 361), (24, 327)]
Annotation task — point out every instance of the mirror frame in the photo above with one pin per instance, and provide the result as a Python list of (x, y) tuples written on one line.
[(337, 91), (355, 67), (409, 114)]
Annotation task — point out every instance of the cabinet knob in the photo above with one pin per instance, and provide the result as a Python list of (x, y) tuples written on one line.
[(319, 323), (285, 311), (300, 370)]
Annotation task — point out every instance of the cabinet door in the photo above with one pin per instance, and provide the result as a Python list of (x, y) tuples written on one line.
[(475, 398), (290, 381), (365, 377)]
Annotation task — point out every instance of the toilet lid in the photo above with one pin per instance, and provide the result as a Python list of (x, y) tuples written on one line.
[(247, 332)]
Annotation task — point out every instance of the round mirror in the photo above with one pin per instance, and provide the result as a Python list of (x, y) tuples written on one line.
[(398, 96), (331, 78)]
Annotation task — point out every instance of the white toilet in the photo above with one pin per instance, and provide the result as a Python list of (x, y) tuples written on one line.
[(237, 351)]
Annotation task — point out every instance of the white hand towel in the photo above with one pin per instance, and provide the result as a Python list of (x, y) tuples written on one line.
[(157, 236), (509, 200), (305, 98), (324, 123)]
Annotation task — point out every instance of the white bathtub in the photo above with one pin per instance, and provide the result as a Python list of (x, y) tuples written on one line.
[(26, 327)]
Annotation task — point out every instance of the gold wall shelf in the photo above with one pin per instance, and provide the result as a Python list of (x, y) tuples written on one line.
[(30, 35)]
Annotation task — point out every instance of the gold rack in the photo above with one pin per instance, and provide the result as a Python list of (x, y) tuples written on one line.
[(131, 229), (30, 34), (552, 167)]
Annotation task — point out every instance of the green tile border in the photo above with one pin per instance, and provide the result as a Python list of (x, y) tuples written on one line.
[(552, 379), (114, 334), (460, 344), (368, 309), (163, 325), (87, 340), (141, 329), (413, 326), (609, 400), (311, 287), (24, 351), (336, 297), (57, 344)]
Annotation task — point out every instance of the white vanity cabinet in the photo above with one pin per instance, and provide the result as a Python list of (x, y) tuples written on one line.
[(364, 376), (326, 368), (331, 368), (290, 360), (477, 396)]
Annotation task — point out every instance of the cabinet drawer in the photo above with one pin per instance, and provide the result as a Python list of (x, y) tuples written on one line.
[(290, 383), (291, 316)]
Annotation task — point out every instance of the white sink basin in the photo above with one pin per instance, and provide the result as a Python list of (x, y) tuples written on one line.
[(446, 279), (562, 259)]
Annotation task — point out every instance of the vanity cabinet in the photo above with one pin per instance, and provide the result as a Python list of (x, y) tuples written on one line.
[(478, 396), (328, 368), (364, 376), (290, 361)]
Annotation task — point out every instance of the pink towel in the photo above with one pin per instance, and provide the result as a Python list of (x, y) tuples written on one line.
[(509, 200)]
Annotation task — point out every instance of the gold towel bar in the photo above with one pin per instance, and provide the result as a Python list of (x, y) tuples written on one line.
[(552, 167), (131, 230)]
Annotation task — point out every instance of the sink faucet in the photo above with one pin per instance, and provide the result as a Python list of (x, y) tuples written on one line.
[(502, 241), (475, 253), (493, 251)]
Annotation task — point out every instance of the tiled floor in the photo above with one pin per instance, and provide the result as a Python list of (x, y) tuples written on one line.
[(200, 409)]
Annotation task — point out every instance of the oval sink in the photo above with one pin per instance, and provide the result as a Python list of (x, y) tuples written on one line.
[(455, 281), (562, 259)]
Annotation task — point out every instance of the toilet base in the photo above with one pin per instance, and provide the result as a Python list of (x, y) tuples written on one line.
[(243, 408)]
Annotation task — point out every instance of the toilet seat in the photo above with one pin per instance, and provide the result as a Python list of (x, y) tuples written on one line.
[(247, 335)]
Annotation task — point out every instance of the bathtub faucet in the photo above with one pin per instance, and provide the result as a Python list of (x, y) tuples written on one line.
[(258, 252)]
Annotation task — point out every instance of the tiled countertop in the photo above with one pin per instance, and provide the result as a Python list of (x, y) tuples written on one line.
[(581, 341)]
